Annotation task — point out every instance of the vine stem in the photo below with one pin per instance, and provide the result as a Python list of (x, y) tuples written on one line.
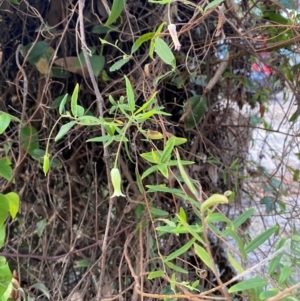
[(100, 103)]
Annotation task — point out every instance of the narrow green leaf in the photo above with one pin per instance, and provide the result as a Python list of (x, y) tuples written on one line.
[(41, 227), (260, 239), (234, 263), (185, 177), (84, 263), (29, 138), (164, 52), (14, 203), (152, 157), (203, 255), (62, 104), (99, 139), (164, 170), (238, 241), (5, 276), (64, 130), (285, 273), (180, 251), (2, 235), (178, 192), (274, 262), (176, 268), (46, 164), (41, 287), (149, 171), (130, 95), (182, 215), (191, 230), (4, 121), (155, 274), (242, 218), (116, 10), (142, 39), (158, 212), (4, 209), (256, 282), (119, 64), (74, 99), (212, 4), (167, 152), (268, 294)]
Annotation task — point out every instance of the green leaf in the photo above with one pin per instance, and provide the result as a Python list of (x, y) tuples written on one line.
[(80, 111), (242, 218), (182, 215), (4, 209), (5, 169), (63, 103), (57, 101), (4, 121), (185, 177), (2, 235), (130, 95), (158, 212), (5, 276), (100, 139), (29, 138), (191, 230), (46, 164), (180, 251), (238, 241), (155, 274), (41, 287), (142, 39), (74, 99), (116, 10), (167, 152), (255, 282), (152, 157), (14, 203), (119, 64), (260, 239), (163, 168), (285, 273), (92, 121), (98, 63), (203, 255), (64, 130), (195, 108), (84, 263), (149, 171), (268, 294), (274, 262), (41, 227), (234, 263), (176, 268), (14, 2), (277, 18), (164, 52), (162, 2), (212, 4), (101, 29)]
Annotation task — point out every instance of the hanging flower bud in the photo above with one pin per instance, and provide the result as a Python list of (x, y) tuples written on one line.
[(173, 33), (116, 181)]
